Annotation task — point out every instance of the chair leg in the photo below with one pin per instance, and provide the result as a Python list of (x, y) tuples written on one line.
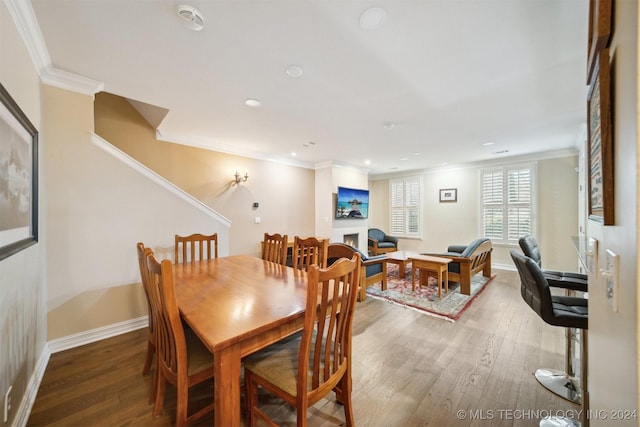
[(251, 393), (181, 406), (147, 363), (161, 386)]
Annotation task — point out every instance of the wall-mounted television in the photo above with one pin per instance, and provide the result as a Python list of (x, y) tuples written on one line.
[(352, 203)]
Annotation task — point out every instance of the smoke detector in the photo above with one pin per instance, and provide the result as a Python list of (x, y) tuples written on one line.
[(191, 16)]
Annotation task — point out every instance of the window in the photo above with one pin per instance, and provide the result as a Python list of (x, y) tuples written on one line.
[(406, 206), (508, 203)]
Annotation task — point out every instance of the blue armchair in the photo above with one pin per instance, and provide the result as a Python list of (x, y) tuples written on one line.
[(380, 242), (373, 269)]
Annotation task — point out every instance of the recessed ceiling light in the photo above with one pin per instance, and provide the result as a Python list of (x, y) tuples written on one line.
[(293, 153), (404, 158), (294, 71), (367, 162), (416, 153), (191, 16), (389, 125), (486, 144), (372, 18), (254, 103)]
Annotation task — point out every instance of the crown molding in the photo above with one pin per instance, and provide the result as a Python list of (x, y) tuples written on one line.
[(29, 30), (70, 81)]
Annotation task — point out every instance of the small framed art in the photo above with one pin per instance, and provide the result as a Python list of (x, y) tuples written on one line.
[(448, 195)]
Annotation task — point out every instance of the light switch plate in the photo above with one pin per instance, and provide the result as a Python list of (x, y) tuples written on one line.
[(611, 276), (592, 256)]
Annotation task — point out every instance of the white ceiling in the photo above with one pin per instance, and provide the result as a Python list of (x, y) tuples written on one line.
[(450, 75)]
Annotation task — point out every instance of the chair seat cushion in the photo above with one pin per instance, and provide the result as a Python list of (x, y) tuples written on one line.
[(570, 312), (200, 358), (572, 281), (278, 363), (372, 269), (384, 244)]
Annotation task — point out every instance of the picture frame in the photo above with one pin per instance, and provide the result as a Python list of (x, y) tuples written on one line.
[(600, 143), (448, 195), (599, 33), (18, 178)]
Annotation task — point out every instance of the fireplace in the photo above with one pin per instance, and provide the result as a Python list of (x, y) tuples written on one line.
[(351, 239)]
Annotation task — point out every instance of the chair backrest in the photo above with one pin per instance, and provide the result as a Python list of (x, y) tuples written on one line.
[(325, 347), (336, 251), (376, 234), (196, 247), (534, 288), (479, 245), (171, 346), (308, 252), (530, 248), (144, 276), (274, 248)]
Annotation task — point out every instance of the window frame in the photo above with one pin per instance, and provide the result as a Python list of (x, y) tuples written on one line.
[(407, 209), (505, 204)]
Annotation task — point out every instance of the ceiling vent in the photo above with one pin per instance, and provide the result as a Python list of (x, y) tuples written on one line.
[(192, 17)]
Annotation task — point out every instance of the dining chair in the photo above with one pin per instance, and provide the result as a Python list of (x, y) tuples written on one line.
[(309, 251), (182, 359), (151, 335), (274, 248), (196, 247), (305, 367)]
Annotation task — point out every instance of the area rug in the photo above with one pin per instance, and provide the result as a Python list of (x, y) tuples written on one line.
[(425, 298)]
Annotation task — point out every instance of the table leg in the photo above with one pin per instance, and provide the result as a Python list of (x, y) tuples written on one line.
[(413, 276), (446, 279), (226, 388), (402, 266), (439, 282)]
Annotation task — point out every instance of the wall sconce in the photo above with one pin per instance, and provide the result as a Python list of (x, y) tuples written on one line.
[(240, 178)]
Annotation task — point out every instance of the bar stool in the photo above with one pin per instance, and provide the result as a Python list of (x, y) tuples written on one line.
[(565, 311), (556, 279), (559, 382)]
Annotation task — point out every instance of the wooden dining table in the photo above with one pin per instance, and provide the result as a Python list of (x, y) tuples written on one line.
[(238, 305)]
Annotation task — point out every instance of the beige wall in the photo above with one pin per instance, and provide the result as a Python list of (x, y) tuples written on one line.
[(613, 336), (285, 193), (445, 224), (22, 275), (99, 209)]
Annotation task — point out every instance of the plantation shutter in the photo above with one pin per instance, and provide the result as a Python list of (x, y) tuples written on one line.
[(519, 203), (406, 207), (507, 203), (492, 200), (397, 208)]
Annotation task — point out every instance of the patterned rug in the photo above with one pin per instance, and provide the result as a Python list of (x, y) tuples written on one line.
[(425, 298)]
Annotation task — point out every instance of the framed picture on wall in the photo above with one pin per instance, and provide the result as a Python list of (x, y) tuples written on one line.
[(600, 20), (600, 143), (448, 195), (18, 178)]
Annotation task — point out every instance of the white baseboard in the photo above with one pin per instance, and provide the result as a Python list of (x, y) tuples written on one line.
[(65, 343), (97, 334)]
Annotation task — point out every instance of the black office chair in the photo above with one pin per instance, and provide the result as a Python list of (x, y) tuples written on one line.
[(556, 279), (556, 310)]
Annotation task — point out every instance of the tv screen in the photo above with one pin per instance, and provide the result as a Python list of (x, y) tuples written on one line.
[(352, 203)]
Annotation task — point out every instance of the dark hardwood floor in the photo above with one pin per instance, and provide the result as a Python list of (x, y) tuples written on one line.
[(409, 369)]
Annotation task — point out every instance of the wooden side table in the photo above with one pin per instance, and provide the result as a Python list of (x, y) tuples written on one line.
[(430, 263)]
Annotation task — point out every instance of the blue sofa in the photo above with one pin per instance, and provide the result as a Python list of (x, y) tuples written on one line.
[(467, 260), (373, 270)]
